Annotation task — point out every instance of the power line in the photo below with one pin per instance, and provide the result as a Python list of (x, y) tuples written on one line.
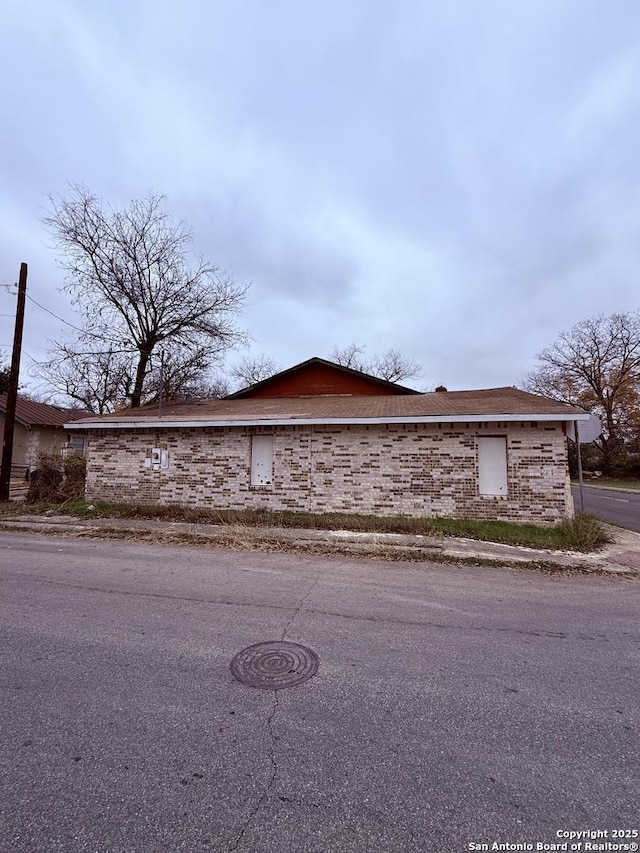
[(67, 323), (25, 352), (62, 320)]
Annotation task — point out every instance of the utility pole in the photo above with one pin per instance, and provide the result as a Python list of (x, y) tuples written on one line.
[(12, 393)]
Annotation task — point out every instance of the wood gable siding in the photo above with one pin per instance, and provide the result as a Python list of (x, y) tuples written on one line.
[(317, 377)]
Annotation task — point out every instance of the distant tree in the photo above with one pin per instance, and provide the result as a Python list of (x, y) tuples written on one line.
[(390, 365), (138, 292), (249, 371), (5, 373), (394, 367), (215, 386), (351, 356), (596, 365)]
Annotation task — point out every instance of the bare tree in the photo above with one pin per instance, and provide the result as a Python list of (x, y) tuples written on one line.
[(99, 380), (390, 365), (131, 277), (596, 365), (351, 356), (175, 373), (215, 386), (394, 367), (249, 371)]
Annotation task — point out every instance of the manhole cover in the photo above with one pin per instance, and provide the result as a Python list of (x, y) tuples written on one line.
[(274, 665)]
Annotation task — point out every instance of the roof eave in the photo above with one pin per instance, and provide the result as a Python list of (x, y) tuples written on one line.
[(169, 423)]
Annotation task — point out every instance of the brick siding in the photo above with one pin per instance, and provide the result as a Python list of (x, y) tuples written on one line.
[(412, 469)]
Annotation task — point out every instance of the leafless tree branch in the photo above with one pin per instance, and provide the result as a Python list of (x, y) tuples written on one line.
[(390, 365), (596, 365), (249, 371), (131, 277)]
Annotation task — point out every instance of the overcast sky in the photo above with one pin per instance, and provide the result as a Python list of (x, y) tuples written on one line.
[(456, 180)]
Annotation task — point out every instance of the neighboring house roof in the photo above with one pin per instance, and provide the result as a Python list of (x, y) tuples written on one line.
[(495, 404), (31, 414), (319, 377)]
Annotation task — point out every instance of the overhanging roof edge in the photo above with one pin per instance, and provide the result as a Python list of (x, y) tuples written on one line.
[(302, 421)]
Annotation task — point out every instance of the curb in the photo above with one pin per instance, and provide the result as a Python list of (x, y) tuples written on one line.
[(622, 558)]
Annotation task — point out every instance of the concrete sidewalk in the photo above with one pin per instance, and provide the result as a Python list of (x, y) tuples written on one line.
[(621, 557)]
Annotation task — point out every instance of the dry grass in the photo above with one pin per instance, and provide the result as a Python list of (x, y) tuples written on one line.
[(240, 538), (583, 533)]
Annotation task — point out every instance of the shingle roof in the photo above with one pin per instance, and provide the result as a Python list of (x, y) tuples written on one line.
[(469, 405), (33, 414)]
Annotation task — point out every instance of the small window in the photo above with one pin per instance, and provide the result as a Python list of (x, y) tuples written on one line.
[(77, 443), (492, 465), (261, 460)]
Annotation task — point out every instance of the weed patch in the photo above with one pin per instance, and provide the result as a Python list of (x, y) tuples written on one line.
[(583, 533), (239, 539), (57, 477)]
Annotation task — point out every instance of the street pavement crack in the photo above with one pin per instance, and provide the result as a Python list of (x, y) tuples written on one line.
[(270, 782), (300, 604), (382, 620), (270, 724)]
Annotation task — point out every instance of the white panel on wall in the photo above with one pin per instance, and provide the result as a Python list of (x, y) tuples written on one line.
[(261, 460), (492, 465)]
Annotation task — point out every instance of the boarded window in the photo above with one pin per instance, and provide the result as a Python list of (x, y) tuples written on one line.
[(261, 460), (492, 465)]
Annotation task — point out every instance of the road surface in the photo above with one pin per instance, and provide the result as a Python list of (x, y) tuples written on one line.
[(452, 706), (621, 508)]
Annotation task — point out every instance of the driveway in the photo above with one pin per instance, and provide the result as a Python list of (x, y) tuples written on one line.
[(452, 705), (621, 508)]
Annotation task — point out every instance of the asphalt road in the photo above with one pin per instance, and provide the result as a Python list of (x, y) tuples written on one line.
[(621, 508), (452, 706)]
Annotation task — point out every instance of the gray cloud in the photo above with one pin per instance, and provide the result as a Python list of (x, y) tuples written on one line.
[(455, 180)]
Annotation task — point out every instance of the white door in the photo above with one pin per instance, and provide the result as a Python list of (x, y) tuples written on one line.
[(261, 460), (492, 465)]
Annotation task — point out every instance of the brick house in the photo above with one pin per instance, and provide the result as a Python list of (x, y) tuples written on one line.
[(324, 438)]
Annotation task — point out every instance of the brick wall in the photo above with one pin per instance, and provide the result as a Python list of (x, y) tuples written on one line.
[(414, 469)]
